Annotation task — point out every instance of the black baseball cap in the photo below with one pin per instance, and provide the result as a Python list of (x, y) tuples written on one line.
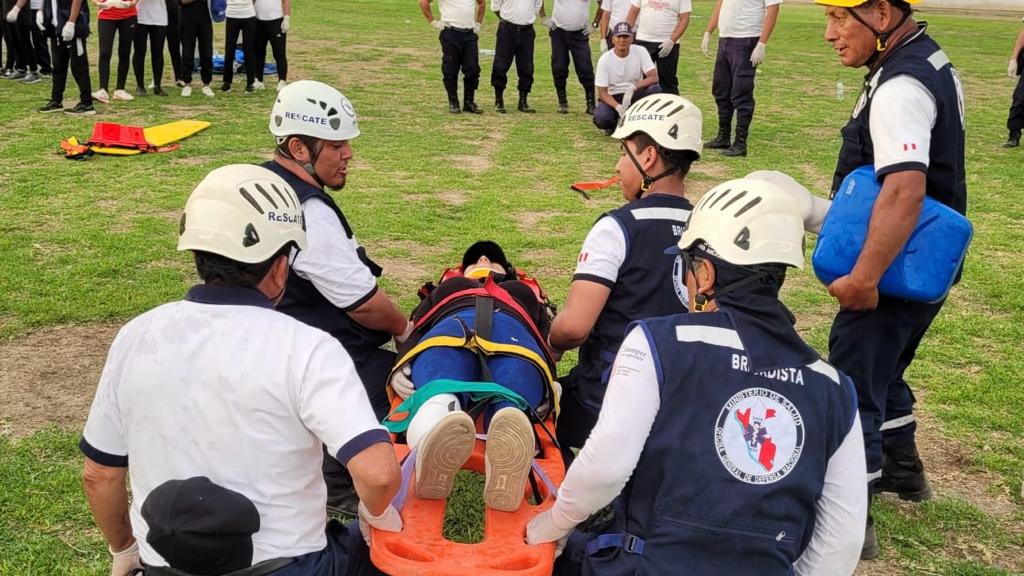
[(200, 527), (622, 29), (487, 248)]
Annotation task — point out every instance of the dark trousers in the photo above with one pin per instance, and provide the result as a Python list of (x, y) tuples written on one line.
[(24, 54), (41, 46), (733, 84), (668, 77), (606, 117), (10, 37), (247, 28), (270, 31), (564, 43), (156, 36), (513, 42), (874, 349), (196, 27), (74, 55), (460, 51), (575, 422), (174, 37), (1016, 119), (125, 32)]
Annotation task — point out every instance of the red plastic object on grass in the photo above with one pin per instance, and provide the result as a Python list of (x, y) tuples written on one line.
[(113, 134)]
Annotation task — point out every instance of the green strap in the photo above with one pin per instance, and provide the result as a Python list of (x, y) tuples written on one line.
[(479, 392)]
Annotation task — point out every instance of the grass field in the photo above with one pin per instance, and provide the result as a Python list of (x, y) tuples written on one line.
[(86, 245)]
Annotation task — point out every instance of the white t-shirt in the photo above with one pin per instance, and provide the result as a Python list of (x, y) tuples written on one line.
[(615, 445), (519, 12), (240, 9), (658, 18), (617, 11), (903, 113), (267, 10), (572, 15), (331, 261), (152, 12), (742, 18), (221, 385), (36, 4), (458, 13), (619, 74)]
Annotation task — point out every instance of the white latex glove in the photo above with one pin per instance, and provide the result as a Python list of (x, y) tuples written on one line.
[(68, 32), (125, 562), (1011, 69), (39, 21), (620, 110), (547, 23), (666, 48), (401, 338), (476, 27), (627, 97), (547, 527), (438, 24), (587, 30), (705, 44), (286, 24), (604, 45), (401, 382), (13, 14), (811, 207), (757, 56), (389, 521)]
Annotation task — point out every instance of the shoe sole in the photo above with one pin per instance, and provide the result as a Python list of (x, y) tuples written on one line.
[(921, 495), (87, 113), (509, 453), (441, 455), (52, 111)]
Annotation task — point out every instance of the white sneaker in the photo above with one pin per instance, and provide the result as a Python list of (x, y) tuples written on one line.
[(186, 91), (441, 454), (259, 85), (281, 84), (509, 453), (123, 95), (101, 96), (207, 91)]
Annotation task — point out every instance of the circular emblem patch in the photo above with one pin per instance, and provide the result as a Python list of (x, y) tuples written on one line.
[(347, 107), (759, 436)]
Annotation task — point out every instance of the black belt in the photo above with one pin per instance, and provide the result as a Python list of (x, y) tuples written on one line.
[(463, 30), (261, 569), (519, 26)]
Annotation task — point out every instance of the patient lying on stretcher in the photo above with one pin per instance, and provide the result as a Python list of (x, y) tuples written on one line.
[(483, 323)]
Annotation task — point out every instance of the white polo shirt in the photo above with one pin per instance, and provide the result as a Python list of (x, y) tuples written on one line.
[(658, 18), (458, 13), (268, 10), (240, 9), (519, 12), (743, 18), (223, 386), (152, 12), (571, 15), (619, 74), (617, 11)]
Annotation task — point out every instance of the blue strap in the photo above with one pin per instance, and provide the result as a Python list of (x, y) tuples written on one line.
[(628, 542)]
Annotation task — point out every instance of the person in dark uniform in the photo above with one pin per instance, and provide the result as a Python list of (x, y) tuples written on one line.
[(909, 124), (744, 27), (1015, 122), (459, 28), (66, 23), (332, 284), (570, 34), (728, 445), (623, 273), (515, 40)]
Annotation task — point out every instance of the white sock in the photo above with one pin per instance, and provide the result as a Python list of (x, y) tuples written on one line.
[(429, 414)]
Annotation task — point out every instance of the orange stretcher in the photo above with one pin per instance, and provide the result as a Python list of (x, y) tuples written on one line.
[(420, 549)]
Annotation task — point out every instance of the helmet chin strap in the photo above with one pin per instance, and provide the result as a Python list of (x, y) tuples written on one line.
[(881, 38), (309, 167), (645, 185)]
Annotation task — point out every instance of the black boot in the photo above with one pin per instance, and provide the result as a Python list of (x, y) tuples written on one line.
[(523, 105), (869, 551), (591, 107), (563, 102), (903, 473), (469, 104), (453, 106), (1014, 140), (499, 103), (721, 141), (739, 146)]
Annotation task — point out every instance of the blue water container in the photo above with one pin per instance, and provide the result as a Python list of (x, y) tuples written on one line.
[(923, 271)]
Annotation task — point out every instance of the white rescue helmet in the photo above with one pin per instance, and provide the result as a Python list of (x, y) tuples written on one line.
[(243, 212), (311, 108), (747, 222), (672, 121)]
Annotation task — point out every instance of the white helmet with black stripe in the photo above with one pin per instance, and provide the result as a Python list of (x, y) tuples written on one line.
[(243, 212), (672, 121)]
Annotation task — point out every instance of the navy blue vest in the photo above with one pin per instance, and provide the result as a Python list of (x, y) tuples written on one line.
[(728, 480), (305, 303), (650, 283), (922, 59)]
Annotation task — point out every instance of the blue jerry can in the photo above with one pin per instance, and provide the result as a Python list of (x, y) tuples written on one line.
[(926, 268)]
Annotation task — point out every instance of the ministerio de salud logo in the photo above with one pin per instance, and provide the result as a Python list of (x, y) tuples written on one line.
[(759, 436)]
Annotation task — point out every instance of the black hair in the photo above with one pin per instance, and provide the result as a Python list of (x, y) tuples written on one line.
[(217, 269), (678, 159), (309, 141), (772, 276)]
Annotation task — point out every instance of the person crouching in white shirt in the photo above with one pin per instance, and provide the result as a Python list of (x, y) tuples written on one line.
[(624, 74)]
